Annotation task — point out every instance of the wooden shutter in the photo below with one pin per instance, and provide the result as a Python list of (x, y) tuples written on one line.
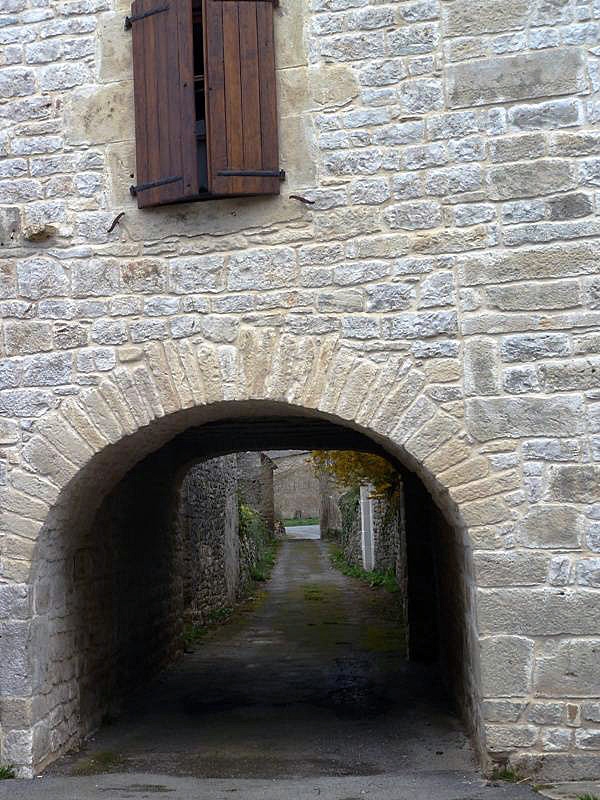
[(163, 79), (242, 100)]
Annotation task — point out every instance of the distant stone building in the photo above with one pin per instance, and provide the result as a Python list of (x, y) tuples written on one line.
[(297, 490)]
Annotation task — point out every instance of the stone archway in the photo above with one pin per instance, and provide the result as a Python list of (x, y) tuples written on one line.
[(82, 449)]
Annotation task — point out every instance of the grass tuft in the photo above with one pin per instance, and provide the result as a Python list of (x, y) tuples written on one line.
[(374, 578), (588, 797), (291, 523), (7, 772), (506, 774)]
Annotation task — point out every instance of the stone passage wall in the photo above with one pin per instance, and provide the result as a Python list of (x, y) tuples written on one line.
[(209, 520), (255, 485), (388, 533), (441, 289), (108, 612)]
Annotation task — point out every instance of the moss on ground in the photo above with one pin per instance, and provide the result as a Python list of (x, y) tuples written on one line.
[(104, 761)]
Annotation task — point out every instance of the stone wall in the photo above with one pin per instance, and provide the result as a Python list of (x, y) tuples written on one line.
[(255, 485), (108, 607), (209, 520), (440, 290), (388, 533)]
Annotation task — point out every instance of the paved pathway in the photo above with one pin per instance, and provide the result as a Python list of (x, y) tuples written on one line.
[(303, 532), (305, 694)]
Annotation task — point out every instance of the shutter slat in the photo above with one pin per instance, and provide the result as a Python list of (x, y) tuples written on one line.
[(250, 90), (268, 94), (242, 106), (233, 92), (164, 100)]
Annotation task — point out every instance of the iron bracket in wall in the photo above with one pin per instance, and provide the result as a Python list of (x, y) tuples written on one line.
[(130, 20), (142, 187)]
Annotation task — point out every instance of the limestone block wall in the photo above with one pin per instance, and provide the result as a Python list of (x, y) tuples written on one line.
[(209, 521), (440, 290), (255, 485), (107, 610)]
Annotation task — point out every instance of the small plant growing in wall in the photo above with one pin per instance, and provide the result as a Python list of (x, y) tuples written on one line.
[(255, 536), (7, 772)]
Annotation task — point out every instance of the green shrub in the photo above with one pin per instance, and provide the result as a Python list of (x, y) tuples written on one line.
[(255, 536)]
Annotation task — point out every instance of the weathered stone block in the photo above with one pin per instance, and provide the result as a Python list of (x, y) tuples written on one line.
[(196, 274), (480, 365), (535, 296), (498, 80), (27, 337), (588, 572), (146, 276), (414, 215), (574, 483), (95, 278), (474, 17), (115, 62), (496, 418), (510, 568), (502, 710), (42, 277), (16, 673), (502, 738), (331, 84), (423, 325), (557, 527), (532, 347), (540, 611), (262, 269), (506, 665), (570, 671), (95, 115), (530, 178), (550, 115)]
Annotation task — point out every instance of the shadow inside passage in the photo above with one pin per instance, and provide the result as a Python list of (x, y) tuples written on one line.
[(309, 680)]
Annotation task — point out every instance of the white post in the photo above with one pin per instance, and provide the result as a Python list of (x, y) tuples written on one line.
[(366, 528)]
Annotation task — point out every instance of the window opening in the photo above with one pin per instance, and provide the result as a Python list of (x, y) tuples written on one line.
[(200, 95)]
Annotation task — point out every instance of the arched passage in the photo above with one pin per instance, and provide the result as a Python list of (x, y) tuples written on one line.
[(164, 405), (105, 567)]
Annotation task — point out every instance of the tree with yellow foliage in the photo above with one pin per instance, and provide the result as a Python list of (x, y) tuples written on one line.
[(351, 469)]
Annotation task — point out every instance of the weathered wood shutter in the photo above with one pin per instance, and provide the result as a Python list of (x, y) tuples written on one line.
[(243, 151), (163, 79)]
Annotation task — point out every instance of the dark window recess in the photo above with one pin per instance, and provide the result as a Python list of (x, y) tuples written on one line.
[(205, 101)]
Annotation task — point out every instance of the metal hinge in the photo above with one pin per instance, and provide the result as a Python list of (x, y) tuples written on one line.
[(142, 187), (130, 20), (252, 173)]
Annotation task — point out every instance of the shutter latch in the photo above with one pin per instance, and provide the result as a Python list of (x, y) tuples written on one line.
[(142, 187), (130, 20)]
